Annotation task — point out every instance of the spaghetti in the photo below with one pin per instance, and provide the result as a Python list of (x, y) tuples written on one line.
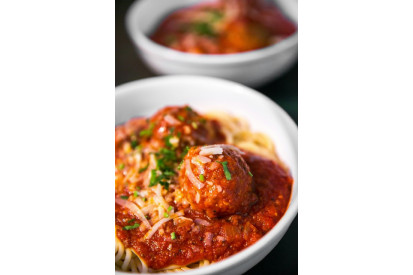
[(191, 190)]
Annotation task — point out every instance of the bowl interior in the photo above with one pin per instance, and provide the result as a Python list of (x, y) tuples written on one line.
[(149, 14), (145, 97)]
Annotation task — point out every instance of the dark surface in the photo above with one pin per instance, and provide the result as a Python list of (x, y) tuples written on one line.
[(283, 259)]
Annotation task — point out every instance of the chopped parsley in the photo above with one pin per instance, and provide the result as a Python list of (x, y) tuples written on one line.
[(124, 197), (203, 28), (185, 151), (165, 164), (188, 109), (121, 166), (202, 177), (194, 125), (226, 170), (216, 15), (147, 132), (249, 173), (135, 194), (180, 165), (132, 220), (134, 143), (143, 169), (170, 208), (167, 160), (167, 141), (165, 215), (130, 227), (181, 118), (173, 236)]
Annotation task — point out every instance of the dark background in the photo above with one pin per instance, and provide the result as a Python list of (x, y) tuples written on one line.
[(283, 259)]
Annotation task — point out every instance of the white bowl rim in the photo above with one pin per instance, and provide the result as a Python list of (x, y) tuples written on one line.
[(290, 127), (144, 43)]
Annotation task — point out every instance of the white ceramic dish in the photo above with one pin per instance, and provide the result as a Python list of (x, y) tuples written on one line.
[(145, 97), (250, 68)]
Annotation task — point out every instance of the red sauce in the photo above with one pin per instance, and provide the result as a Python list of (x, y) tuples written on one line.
[(273, 187), (225, 235), (225, 26)]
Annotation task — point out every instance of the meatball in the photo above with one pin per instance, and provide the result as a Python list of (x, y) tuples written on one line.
[(179, 127), (216, 180)]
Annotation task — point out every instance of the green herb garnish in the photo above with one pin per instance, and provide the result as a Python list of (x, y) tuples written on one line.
[(173, 236), (134, 143), (181, 118), (170, 208), (124, 197), (153, 178), (249, 173), (144, 168), (130, 227), (188, 109), (167, 141), (135, 194), (147, 132), (121, 166), (201, 177), (185, 151), (194, 125), (132, 220), (203, 28), (165, 215), (180, 165), (226, 170), (216, 15)]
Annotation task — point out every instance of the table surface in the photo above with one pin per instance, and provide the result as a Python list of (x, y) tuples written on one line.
[(283, 259)]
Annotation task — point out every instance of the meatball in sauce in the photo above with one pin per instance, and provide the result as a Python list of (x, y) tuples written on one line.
[(217, 181)]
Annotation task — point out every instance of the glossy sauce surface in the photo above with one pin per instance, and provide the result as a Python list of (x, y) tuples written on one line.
[(224, 236)]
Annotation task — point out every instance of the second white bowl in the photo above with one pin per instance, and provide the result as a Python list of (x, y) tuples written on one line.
[(252, 68)]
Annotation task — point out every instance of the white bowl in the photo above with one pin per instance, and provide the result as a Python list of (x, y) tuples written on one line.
[(145, 97), (250, 68)]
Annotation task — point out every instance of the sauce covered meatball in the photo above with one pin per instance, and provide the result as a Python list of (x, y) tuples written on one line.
[(179, 127), (217, 181)]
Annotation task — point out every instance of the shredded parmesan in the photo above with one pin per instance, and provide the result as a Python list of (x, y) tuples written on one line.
[(199, 165), (135, 210), (171, 120), (157, 225), (203, 159), (155, 228), (191, 176), (217, 150), (202, 222)]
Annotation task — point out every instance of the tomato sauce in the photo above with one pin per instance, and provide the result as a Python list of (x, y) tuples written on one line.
[(224, 236)]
